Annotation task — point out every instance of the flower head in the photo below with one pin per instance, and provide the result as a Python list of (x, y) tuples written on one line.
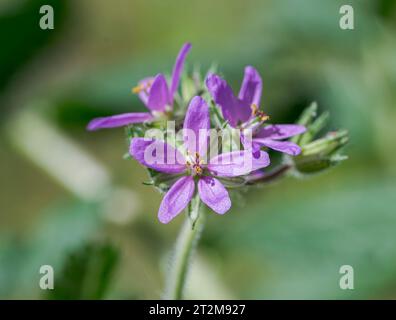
[(243, 112), (192, 167), (155, 94)]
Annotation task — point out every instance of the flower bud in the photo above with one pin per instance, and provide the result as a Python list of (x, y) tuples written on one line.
[(317, 154)]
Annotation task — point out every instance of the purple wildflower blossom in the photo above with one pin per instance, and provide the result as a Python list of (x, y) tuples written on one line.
[(192, 167), (154, 93), (243, 112)]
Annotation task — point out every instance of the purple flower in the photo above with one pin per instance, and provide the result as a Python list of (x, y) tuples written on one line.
[(158, 155), (243, 112), (155, 94)]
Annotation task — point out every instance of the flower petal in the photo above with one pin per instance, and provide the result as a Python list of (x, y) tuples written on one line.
[(282, 146), (157, 155), (119, 120), (196, 126), (280, 131), (176, 199), (238, 163), (214, 194), (158, 95), (177, 70), (233, 110), (251, 87), (248, 142)]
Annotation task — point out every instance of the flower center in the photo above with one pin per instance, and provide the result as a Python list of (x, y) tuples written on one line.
[(142, 87), (256, 112), (195, 164)]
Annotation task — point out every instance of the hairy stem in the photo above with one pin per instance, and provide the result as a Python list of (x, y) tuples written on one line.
[(183, 252)]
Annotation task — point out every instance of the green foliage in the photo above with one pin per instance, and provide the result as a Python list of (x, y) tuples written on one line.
[(26, 38), (294, 249), (86, 274), (64, 228)]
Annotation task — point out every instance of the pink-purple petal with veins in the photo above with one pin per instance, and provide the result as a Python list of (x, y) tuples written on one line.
[(238, 163), (280, 131), (282, 146), (196, 127), (158, 97), (177, 70), (176, 199), (119, 120), (223, 96), (214, 194), (157, 155), (251, 87)]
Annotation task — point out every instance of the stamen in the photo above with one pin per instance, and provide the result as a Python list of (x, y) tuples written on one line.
[(254, 108), (142, 87), (256, 112), (139, 88), (264, 117), (195, 164), (198, 170)]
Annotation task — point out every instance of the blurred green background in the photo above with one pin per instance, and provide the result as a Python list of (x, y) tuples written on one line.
[(70, 200)]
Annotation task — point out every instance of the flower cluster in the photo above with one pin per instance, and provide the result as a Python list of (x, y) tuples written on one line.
[(222, 141)]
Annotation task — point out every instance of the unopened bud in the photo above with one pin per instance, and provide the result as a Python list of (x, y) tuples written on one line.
[(321, 154), (317, 154)]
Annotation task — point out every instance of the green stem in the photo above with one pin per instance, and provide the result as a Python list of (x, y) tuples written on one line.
[(185, 245)]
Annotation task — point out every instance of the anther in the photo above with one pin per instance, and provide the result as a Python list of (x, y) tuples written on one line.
[(254, 108), (137, 89), (257, 113), (141, 87)]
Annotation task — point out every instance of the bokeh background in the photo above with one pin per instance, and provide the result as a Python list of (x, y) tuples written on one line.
[(70, 200)]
